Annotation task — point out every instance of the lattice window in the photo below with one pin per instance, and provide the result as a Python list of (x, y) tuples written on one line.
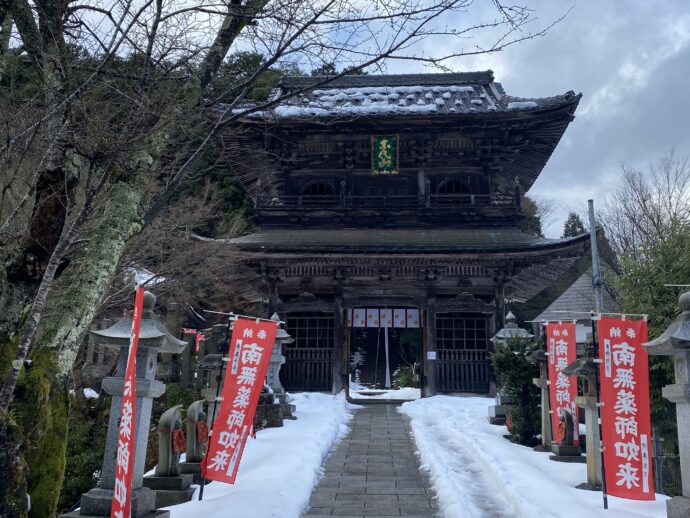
[(461, 331), (309, 360), (311, 330)]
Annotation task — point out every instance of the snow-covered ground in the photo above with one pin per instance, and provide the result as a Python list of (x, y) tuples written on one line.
[(358, 391), (280, 467), (478, 473)]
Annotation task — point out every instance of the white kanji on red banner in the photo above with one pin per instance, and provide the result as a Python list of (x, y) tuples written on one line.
[(122, 492), (625, 417), (252, 341), (560, 337)]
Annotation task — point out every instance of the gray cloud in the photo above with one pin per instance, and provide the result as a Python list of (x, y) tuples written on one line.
[(631, 61)]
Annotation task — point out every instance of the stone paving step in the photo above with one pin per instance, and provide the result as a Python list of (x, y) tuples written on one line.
[(374, 471)]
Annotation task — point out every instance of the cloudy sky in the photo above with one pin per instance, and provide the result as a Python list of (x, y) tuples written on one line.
[(631, 61)]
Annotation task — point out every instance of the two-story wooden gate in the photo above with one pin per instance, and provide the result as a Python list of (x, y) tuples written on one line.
[(462, 352), (309, 359)]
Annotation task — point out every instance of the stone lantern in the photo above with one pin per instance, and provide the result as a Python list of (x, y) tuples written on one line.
[(154, 338), (542, 382), (511, 330), (585, 369), (675, 341), (276, 361), (497, 412), (211, 366)]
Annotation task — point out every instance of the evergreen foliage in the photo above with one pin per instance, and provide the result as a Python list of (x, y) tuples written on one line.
[(531, 224), (85, 446), (514, 372), (641, 290), (573, 226)]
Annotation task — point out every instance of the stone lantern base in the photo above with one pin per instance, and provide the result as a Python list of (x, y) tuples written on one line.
[(678, 507), (97, 503)]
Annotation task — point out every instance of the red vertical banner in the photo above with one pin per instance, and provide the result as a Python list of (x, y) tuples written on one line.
[(562, 348), (122, 492), (625, 419), (250, 351)]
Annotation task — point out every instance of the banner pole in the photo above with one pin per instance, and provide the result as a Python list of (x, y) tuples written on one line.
[(215, 403), (596, 270), (388, 371), (548, 385), (597, 388)]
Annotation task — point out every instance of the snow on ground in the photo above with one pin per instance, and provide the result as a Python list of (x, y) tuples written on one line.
[(358, 391), (90, 393), (280, 467), (478, 473)]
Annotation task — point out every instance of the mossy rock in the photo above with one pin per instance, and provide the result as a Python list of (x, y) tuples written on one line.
[(13, 501)]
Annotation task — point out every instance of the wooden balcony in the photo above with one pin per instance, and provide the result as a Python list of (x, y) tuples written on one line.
[(386, 209)]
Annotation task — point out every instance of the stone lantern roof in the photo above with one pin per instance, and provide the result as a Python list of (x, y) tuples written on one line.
[(152, 332), (677, 335), (282, 337), (511, 330)]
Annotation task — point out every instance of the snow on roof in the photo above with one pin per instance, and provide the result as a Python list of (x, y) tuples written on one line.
[(522, 105), (406, 94), (429, 94), (385, 100)]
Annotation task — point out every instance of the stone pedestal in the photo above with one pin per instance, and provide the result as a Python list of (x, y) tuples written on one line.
[(567, 453), (268, 413), (97, 502), (194, 469), (498, 414), (592, 442), (171, 490), (543, 383), (287, 407)]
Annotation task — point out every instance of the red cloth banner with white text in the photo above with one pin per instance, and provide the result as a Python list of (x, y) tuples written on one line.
[(124, 465), (562, 344), (198, 337), (625, 419), (250, 351)]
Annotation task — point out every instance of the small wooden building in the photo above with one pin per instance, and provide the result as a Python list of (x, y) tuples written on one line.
[(400, 193)]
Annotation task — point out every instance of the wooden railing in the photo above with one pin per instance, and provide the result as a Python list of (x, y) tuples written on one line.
[(307, 369), (463, 370), (349, 202)]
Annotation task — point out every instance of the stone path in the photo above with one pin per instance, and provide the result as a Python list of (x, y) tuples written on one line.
[(374, 472)]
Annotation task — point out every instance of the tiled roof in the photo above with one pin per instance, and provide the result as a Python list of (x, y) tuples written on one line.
[(409, 94), (577, 301), (470, 240)]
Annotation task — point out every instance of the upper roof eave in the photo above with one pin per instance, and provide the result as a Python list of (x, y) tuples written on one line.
[(409, 241), (567, 102)]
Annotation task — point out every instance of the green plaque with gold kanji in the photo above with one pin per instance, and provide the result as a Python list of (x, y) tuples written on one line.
[(384, 154)]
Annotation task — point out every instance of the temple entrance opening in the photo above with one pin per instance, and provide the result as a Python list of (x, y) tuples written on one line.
[(384, 353)]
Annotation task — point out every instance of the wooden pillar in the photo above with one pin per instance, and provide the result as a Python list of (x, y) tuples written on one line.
[(338, 343), (499, 297), (430, 365), (498, 323), (273, 298)]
